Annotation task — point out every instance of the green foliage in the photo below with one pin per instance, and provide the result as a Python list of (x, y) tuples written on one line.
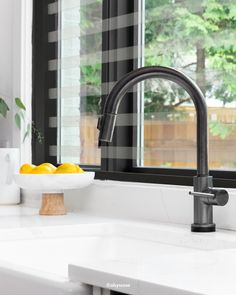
[(20, 117), (27, 132), (36, 133), (90, 75), (90, 43), (196, 36), (18, 120), (222, 130), (30, 127), (3, 108), (161, 100), (20, 114), (175, 31), (20, 104)]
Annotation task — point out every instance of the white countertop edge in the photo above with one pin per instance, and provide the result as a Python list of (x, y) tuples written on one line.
[(121, 284)]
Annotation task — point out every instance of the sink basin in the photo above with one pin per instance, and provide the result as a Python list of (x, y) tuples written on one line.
[(166, 259), (46, 252), (51, 249)]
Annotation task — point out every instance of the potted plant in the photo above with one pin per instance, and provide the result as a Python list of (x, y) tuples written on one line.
[(10, 157)]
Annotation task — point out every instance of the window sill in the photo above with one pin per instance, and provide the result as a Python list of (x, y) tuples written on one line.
[(171, 179)]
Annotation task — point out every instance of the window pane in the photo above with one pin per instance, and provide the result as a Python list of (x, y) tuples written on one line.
[(79, 80), (198, 38)]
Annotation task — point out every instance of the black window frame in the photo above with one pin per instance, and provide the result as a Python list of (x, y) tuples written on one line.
[(43, 107)]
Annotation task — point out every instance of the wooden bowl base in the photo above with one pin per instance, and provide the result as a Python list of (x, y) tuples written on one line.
[(52, 204)]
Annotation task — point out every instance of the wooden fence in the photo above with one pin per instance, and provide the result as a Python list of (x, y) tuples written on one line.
[(171, 143)]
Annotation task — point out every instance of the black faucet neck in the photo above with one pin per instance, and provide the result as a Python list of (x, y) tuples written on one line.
[(124, 84)]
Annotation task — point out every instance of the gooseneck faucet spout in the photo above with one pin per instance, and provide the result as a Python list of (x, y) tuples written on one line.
[(204, 195)]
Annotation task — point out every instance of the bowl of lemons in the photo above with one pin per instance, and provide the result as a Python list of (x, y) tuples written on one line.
[(52, 179), (52, 182)]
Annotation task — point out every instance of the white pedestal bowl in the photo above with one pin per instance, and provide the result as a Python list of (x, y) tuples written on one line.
[(53, 187)]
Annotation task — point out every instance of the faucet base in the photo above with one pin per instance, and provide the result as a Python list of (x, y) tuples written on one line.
[(203, 228)]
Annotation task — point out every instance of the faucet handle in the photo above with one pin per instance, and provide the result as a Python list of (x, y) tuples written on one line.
[(218, 197), (202, 194), (221, 197)]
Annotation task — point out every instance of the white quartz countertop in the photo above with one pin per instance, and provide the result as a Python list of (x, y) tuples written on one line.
[(18, 216), (162, 259), (42, 246), (131, 257), (190, 273)]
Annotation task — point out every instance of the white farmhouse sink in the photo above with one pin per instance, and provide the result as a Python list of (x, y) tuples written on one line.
[(42, 255)]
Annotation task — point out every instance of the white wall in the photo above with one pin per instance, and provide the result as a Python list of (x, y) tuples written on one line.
[(139, 201), (15, 65), (6, 63)]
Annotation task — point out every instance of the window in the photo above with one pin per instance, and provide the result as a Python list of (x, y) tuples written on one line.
[(82, 47), (198, 38), (79, 80)]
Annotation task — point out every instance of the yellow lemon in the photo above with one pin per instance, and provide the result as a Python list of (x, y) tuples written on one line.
[(26, 168), (49, 165), (79, 169), (42, 169), (68, 168)]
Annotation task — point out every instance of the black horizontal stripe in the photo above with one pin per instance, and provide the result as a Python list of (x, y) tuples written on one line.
[(122, 66), (124, 35), (119, 7)]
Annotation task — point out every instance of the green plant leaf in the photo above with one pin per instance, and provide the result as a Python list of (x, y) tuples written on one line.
[(37, 133), (27, 133), (3, 108), (22, 115), (18, 120), (20, 104)]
